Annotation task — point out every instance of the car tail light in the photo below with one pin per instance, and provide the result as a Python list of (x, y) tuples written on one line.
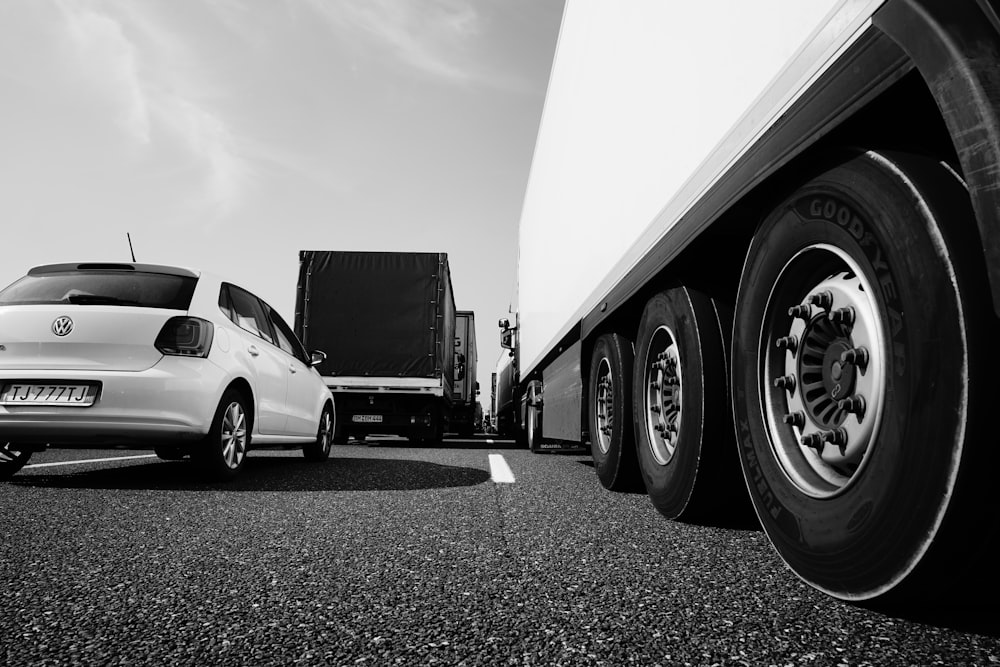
[(185, 337)]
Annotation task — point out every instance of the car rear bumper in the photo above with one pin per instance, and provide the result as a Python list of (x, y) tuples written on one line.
[(174, 401)]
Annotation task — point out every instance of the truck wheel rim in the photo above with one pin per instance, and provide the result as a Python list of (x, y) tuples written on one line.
[(662, 402), (604, 406), (824, 371), (234, 435)]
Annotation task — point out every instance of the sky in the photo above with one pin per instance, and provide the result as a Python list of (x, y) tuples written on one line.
[(227, 135)]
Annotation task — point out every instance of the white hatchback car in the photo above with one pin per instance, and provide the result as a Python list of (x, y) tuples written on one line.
[(105, 355)]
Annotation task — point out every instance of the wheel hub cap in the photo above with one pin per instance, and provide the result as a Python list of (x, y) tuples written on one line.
[(234, 435), (605, 406), (824, 368), (662, 402)]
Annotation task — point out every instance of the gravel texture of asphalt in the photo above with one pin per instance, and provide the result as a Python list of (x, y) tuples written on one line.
[(390, 554)]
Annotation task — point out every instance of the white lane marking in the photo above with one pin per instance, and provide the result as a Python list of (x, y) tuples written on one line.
[(499, 470), (490, 441), (81, 461)]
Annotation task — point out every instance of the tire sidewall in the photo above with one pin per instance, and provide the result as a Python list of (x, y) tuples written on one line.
[(670, 486), (10, 468), (211, 456), (612, 467), (316, 451), (832, 541)]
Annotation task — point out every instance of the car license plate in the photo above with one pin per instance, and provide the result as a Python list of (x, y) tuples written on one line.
[(79, 395), (366, 419)]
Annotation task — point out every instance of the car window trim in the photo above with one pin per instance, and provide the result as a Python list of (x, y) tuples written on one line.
[(228, 311), (269, 313), (263, 310), (297, 346)]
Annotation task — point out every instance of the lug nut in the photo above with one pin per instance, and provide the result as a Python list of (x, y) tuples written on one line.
[(838, 438), (857, 356), (655, 409), (796, 419), (843, 316), (853, 404), (790, 343), (823, 300), (813, 441), (786, 382), (802, 311)]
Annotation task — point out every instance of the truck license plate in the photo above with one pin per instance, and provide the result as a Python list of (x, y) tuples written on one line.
[(367, 419)]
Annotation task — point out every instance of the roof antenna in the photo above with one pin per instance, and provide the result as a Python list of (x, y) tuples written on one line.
[(129, 237)]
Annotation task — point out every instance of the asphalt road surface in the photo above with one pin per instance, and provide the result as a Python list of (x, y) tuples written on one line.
[(391, 554)]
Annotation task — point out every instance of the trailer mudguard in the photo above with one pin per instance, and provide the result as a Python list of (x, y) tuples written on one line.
[(956, 47)]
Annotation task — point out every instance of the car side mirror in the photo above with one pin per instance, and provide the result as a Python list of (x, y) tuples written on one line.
[(316, 357)]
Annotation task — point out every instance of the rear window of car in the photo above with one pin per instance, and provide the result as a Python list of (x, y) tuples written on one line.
[(102, 288)]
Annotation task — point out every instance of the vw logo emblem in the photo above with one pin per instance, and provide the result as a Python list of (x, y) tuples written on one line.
[(62, 326)]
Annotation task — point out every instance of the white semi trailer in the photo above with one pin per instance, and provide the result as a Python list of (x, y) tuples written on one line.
[(763, 237)]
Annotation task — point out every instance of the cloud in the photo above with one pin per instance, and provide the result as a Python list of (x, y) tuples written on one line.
[(430, 37), (110, 59), (151, 78), (211, 142)]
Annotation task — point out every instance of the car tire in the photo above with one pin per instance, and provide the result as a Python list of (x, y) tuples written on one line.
[(319, 450), (609, 414), (870, 465), (223, 453), (170, 452), (12, 459)]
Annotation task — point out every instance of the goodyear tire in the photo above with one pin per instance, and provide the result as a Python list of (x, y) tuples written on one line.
[(609, 413), (862, 382), (319, 450), (682, 418)]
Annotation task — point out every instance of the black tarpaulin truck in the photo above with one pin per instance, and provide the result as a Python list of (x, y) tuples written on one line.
[(386, 321)]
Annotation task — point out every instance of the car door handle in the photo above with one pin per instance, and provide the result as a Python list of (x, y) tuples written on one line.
[(292, 369), (253, 351)]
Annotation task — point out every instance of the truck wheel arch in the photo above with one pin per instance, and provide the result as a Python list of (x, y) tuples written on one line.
[(958, 64)]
